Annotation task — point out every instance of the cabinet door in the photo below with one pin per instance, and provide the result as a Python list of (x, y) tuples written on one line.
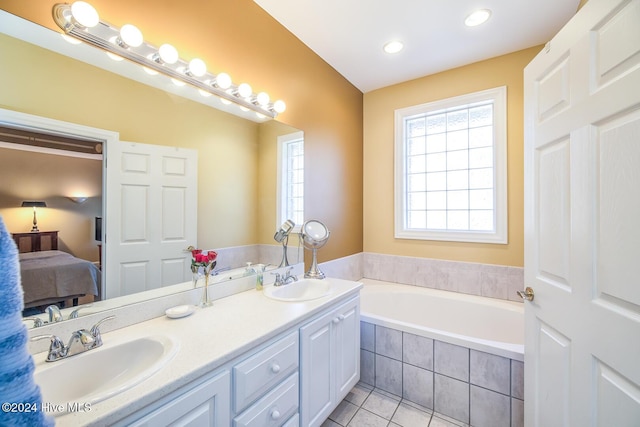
[(347, 360), (205, 405), (316, 350)]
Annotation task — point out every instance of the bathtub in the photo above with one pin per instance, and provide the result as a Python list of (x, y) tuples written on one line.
[(485, 324)]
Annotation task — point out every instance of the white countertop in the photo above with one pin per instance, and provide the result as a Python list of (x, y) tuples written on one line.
[(208, 339)]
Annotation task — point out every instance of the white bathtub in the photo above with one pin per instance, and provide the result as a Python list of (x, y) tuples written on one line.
[(485, 324)]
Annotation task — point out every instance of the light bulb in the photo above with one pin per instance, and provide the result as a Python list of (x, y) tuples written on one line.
[(84, 14), (279, 106), (223, 81), (262, 98), (478, 17), (197, 67), (394, 46), (131, 35), (168, 54), (244, 90)]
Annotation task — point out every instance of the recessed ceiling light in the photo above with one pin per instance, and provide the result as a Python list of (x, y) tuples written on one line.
[(394, 46), (478, 17)]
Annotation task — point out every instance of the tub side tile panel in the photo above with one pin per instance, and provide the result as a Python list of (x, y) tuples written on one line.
[(517, 413), (451, 398), (451, 360), (465, 278), (417, 385), (388, 342), (417, 351), (517, 379), (388, 375), (367, 367), (367, 336), (489, 409), (490, 371)]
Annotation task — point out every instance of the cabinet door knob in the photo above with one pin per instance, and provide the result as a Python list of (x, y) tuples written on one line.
[(275, 414), (336, 320), (341, 317), (275, 368)]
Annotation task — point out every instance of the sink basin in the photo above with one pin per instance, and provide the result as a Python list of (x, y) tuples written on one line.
[(302, 290), (103, 372)]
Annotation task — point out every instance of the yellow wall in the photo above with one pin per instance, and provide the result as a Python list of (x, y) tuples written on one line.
[(238, 37), (36, 81), (379, 107)]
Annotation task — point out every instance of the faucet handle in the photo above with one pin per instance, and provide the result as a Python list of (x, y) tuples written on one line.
[(95, 331), (37, 322), (56, 349), (74, 314), (54, 314)]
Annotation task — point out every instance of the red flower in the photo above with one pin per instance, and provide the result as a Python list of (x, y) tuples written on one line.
[(196, 252), (211, 255)]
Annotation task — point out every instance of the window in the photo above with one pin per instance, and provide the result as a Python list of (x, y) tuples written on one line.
[(291, 179), (451, 172)]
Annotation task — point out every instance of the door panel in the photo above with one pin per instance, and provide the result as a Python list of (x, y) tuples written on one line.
[(152, 209), (582, 204)]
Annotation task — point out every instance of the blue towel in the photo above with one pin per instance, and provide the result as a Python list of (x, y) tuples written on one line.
[(16, 364)]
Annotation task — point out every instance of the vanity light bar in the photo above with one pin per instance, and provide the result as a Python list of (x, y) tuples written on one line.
[(108, 37)]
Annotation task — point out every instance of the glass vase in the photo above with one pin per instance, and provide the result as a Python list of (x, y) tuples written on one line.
[(206, 301)]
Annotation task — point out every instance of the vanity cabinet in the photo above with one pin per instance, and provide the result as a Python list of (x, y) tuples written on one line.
[(329, 361), (205, 404)]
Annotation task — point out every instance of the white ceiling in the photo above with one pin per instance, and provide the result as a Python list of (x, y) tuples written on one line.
[(349, 34)]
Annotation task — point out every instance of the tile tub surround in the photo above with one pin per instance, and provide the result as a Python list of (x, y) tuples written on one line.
[(487, 280), (471, 386)]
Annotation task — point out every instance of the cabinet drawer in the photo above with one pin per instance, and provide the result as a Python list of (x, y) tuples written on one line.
[(274, 409), (256, 375)]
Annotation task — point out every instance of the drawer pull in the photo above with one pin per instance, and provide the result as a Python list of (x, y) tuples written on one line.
[(275, 368), (275, 414)]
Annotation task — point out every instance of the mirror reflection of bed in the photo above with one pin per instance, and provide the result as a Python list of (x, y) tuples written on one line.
[(54, 277)]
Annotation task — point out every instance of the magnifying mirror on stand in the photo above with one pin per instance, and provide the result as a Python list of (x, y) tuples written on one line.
[(282, 236), (314, 235)]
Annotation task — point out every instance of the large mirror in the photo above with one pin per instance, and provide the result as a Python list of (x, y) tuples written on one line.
[(237, 157)]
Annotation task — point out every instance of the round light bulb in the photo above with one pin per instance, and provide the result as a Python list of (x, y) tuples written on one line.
[(244, 90), (279, 106), (197, 67), (223, 81), (263, 98), (478, 17), (394, 46), (131, 35), (168, 53), (85, 14)]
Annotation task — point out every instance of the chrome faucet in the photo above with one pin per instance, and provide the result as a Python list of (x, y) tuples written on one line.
[(81, 340), (285, 278)]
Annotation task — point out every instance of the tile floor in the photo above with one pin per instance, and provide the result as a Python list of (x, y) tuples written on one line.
[(366, 406)]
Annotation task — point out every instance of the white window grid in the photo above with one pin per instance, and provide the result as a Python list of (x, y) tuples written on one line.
[(291, 179), (451, 169)]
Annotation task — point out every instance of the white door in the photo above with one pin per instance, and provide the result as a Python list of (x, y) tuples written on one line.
[(582, 221), (151, 206)]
